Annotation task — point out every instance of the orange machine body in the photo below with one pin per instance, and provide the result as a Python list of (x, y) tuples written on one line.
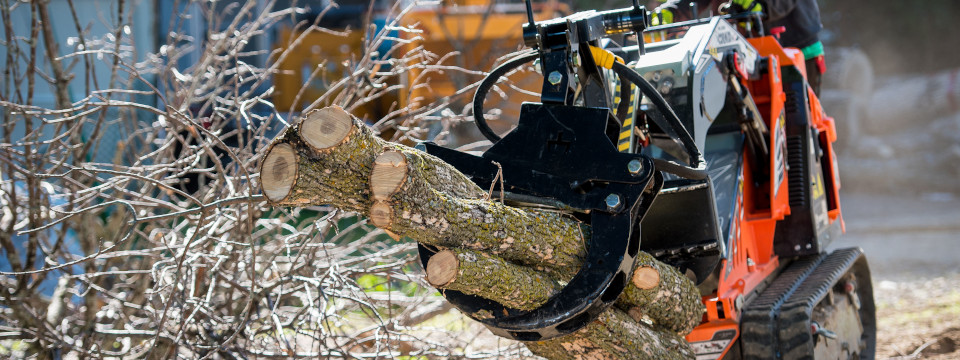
[(760, 206)]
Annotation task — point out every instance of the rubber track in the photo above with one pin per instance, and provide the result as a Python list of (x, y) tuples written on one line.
[(796, 341), (759, 321)]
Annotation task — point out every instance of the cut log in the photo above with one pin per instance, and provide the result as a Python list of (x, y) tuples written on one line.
[(518, 257), (334, 169), (326, 128), (442, 269), (279, 171), (389, 173), (515, 286), (381, 215), (646, 278), (672, 303), (331, 167), (544, 240), (615, 336)]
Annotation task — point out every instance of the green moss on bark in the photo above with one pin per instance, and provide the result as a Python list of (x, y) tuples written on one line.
[(340, 175), (614, 335), (543, 240), (514, 286), (674, 304), (532, 249)]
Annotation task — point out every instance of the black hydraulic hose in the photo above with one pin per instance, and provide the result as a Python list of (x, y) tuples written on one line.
[(681, 170), (696, 172), (626, 94), (488, 83), (698, 169)]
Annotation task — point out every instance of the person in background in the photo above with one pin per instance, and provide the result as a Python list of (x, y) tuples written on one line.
[(800, 18)]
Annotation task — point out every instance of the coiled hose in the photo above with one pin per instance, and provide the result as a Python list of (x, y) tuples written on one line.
[(697, 172)]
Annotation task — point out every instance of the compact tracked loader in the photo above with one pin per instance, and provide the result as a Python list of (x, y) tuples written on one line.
[(701, 144)]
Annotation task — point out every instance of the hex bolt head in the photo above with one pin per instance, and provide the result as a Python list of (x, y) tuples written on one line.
[(634, 166), (554, 77), (613, 201)]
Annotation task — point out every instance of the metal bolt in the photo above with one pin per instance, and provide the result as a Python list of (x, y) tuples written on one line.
[(816, 329), (613, 201), (634, 166), (554, 77), (666, 86)]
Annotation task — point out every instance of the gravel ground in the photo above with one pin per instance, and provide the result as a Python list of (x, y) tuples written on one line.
[(911, 243), (919, 319)]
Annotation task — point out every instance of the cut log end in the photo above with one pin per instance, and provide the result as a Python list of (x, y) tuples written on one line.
[(278, 172), (389, 173), (646, 278), (326, 128), (381, 214), (442, 268)]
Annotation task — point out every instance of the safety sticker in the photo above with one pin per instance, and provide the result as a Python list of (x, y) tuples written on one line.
[(714, 348), (779, 153)]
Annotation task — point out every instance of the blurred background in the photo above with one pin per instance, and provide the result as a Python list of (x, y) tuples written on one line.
[(900, 123)]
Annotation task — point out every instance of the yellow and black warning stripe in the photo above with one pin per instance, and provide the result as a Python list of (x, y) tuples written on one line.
[(625, 143)]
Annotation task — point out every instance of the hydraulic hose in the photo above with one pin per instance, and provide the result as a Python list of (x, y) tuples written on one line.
[(488, 83), (681, 170), (697, 171), (698, 168)]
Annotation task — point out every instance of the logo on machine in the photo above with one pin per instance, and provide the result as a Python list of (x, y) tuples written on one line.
[(715, 347), (724, 38)]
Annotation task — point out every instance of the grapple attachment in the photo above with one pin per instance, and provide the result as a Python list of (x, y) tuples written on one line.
[(561, 156)]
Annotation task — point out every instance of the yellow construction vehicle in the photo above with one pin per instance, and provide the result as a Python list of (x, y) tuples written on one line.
[(461, 34)]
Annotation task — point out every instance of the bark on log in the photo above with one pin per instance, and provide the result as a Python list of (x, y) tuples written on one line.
[(332, 158), (673, 303), (545, 240), (336, 170), (327, 158), (615, 336), (473, 272)]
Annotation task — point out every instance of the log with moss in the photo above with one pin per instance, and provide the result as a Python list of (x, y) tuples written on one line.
[(518, 257)]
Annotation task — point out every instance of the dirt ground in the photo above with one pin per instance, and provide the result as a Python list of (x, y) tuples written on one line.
[(911, 242)]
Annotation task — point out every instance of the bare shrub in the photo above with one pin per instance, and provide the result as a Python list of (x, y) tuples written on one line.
[(132, 225)]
